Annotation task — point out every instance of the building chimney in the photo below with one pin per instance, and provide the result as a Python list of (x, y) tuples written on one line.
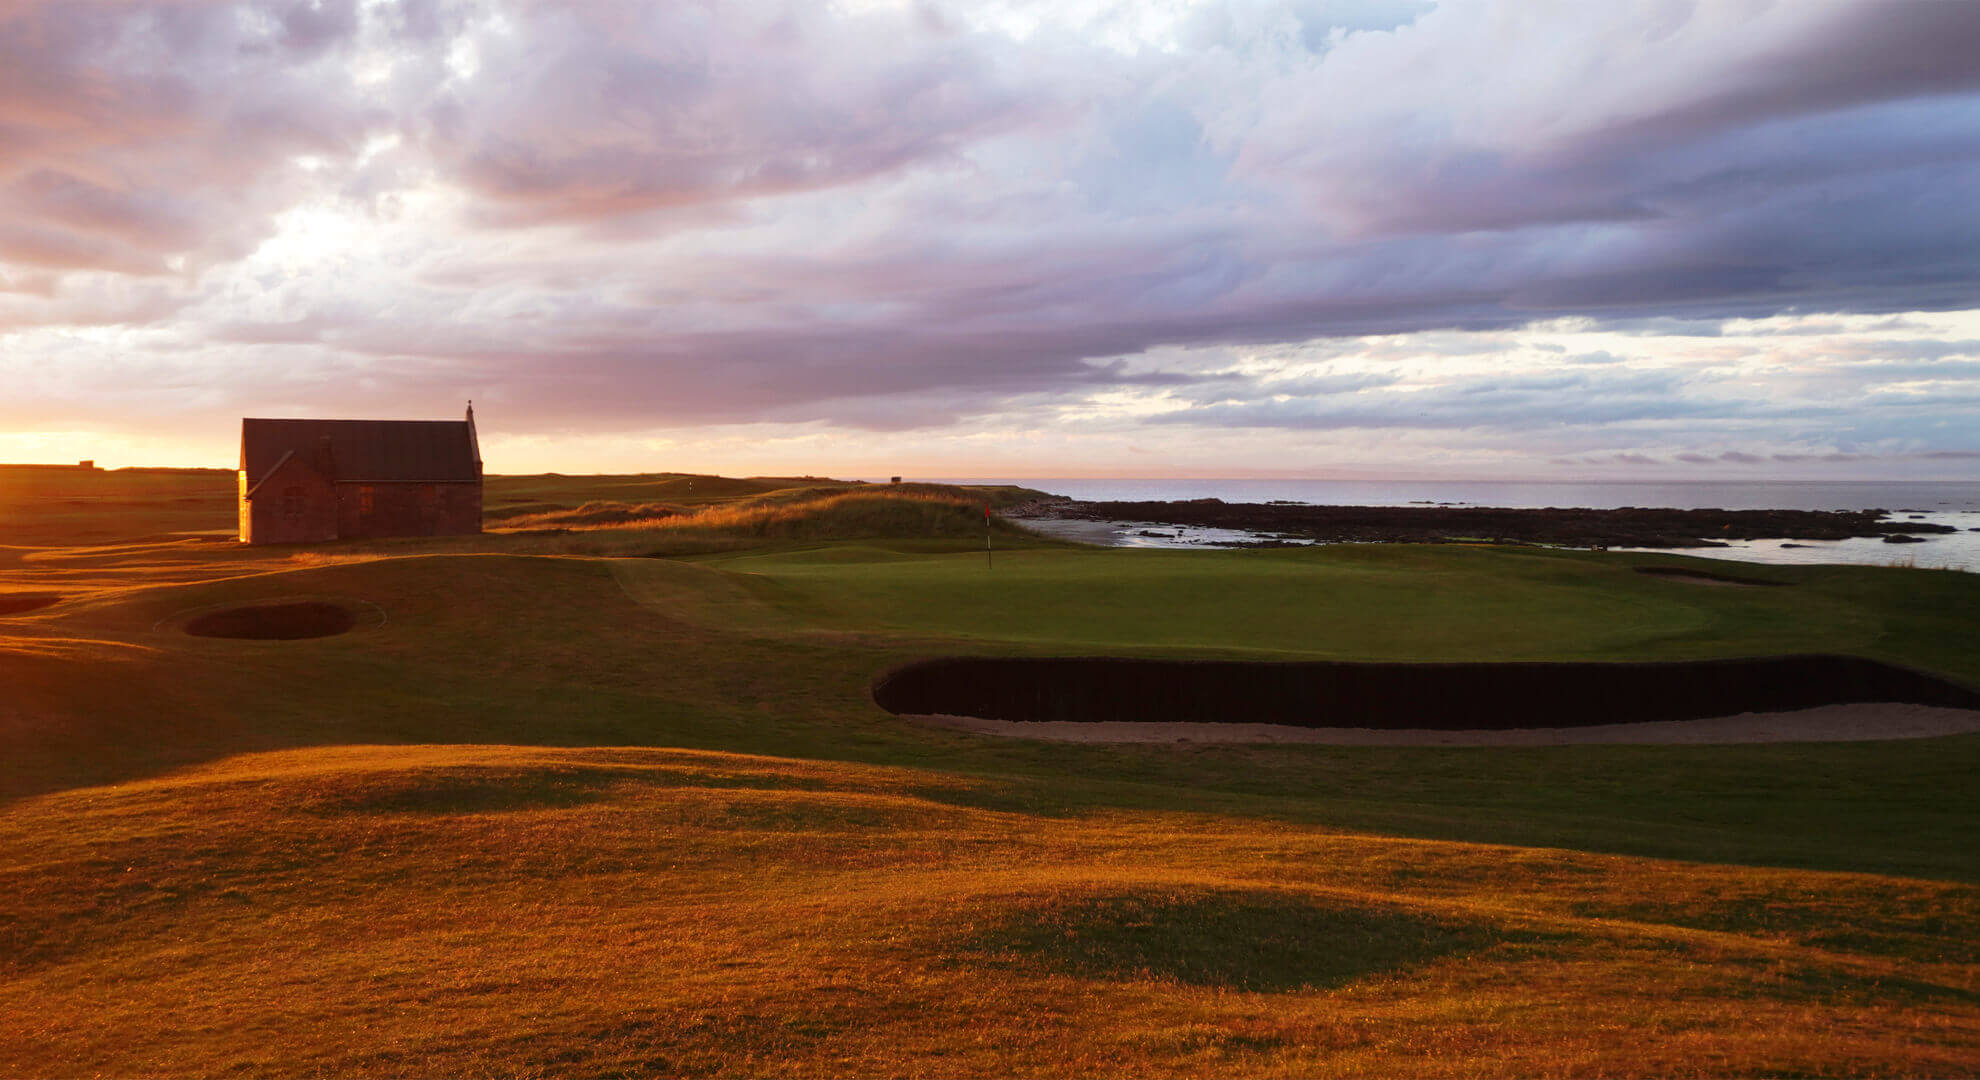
[(474, 440)]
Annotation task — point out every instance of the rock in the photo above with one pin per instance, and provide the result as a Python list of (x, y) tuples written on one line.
[(1578, 527), (1900, 538)]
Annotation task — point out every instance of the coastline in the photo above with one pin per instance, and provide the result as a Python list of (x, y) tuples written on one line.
[(1946, 539), (1629, 526)]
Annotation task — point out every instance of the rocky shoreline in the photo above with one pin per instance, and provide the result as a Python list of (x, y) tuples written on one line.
[(1629, 526)]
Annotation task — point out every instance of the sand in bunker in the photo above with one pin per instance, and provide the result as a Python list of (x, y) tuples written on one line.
[(1829, 723)]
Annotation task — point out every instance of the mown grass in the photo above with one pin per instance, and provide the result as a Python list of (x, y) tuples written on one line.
[(547, 814)]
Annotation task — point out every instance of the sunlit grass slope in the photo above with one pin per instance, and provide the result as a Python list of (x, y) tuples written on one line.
[(537, 501), (888, 513), (547, 812), (493, 910)]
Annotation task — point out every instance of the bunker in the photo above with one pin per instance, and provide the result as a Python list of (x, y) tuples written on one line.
[(1396, 696), (274, 622)]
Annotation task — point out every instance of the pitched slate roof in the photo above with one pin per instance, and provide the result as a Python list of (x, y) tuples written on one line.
[(367, 451)]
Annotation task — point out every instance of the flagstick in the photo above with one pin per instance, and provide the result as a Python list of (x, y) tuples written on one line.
[(986, 538)]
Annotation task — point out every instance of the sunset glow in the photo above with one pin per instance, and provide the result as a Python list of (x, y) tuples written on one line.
[(1012, 238)]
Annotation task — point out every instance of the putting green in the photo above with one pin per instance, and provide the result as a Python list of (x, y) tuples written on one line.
[(1441, 603)]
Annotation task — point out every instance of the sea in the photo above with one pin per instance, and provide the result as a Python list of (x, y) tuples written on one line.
[(1954, 503)]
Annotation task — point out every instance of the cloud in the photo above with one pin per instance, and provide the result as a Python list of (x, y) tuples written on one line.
[(1829, 457), (137, 134), (1069, 217), (610, 112), (890, 217), (1521, 402)]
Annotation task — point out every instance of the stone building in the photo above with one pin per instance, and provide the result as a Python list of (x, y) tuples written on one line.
[(306, 481)]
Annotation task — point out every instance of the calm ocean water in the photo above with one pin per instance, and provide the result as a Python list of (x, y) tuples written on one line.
[(1954, 503)]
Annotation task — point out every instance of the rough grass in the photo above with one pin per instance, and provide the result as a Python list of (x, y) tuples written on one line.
[(459, 910), (560, 814), (801, 515), (594, 514)]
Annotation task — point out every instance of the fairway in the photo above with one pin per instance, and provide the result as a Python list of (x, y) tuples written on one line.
[(535, 809)]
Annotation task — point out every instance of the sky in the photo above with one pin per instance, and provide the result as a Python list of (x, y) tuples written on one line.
[(1650, 240)]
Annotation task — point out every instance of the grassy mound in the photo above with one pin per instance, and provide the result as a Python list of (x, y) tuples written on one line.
[(813, 514), (502, 492), (633, 911), (594, 514), (847, 516)]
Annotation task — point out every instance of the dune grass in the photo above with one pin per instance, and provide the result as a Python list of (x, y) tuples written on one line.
[(559, 813), (804, 514), (467, 910)]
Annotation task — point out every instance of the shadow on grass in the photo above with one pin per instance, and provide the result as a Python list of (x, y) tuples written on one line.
[(1865, 920), (1248, 940), (18, 603)]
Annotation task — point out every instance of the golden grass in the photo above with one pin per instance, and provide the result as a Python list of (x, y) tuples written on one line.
[(870, 511), (798, 515), (497, 910), (595, 514)]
